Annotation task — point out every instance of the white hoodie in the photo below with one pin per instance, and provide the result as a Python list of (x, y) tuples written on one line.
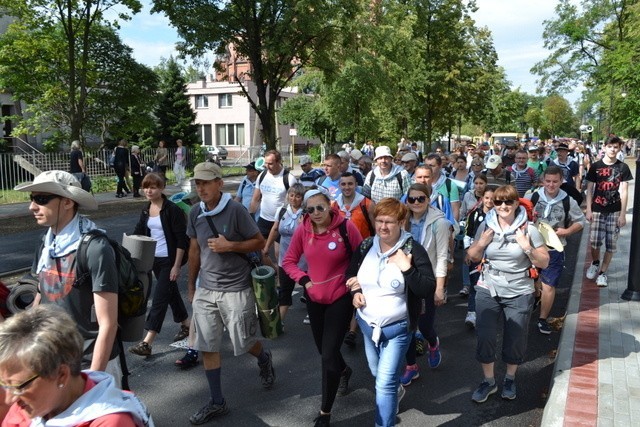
[(103, 399)]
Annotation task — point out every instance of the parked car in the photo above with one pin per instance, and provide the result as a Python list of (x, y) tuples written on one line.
[(221, 152)]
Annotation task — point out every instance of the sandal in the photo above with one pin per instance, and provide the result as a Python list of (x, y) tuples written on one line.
[(189, 360), (182, 334)]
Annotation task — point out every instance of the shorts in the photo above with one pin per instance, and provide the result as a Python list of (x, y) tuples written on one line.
[(265, 227), (604, 226), (551, 275), (215, 310)]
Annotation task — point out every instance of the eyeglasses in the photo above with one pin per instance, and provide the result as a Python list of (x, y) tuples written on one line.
[(43, 199), (420, 199), (506, 202), (19, 389), (476, 164), (311, 209)]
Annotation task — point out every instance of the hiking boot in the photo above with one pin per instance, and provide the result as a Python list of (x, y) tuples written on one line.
[(464, 292), (411, 372), (592, 271), (322, 420), (141, 349), (350, 339), (189, 360), (601, 281), (209, 411), (434, 355), (470, 320), (267, 373), (544, 327), (508, 389), (182, 334), (483, 392), (343, 387)]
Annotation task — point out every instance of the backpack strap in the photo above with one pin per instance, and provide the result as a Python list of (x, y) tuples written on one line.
[(447, 183), (363, 207), (283, 211), (372, 178), (83, 275), (285, 179), (399, 178), (321, 180), (566, 204), (261, 177), (345, 237)]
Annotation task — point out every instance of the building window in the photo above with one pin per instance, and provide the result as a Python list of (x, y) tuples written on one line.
[(204, 132), (202, 101), (230, 134), (225, 100)]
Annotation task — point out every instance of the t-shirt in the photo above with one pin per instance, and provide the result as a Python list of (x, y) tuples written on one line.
[(74, 165), (273, 193), (229, 271), (245, 191), (56, 287), (569, 170), (523, 180), (607, 179), (332, 186)]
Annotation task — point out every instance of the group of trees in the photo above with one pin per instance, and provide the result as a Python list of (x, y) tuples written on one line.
[(65, 61), (595, 42)]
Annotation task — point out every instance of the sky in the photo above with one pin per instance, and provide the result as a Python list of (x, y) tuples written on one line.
[(516, 26)]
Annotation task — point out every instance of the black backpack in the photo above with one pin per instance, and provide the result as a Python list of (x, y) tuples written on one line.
[(285, 178), (566, 205), (132, 300)]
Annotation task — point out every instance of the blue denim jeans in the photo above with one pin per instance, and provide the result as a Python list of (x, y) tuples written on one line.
[(386, 362)]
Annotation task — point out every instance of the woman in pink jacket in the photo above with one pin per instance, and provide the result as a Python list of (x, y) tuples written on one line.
[(327, 241)]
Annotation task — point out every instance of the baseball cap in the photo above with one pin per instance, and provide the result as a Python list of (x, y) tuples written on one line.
[(493, 162), (207, 171), (251, 165), (532, 148), (562, 146), (303, 160), (409, 157)]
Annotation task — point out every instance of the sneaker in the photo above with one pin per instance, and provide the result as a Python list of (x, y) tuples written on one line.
[(306, 320), (322, 420), (592, 271), (343, 387), (483, 392), (434, 355), (464, 292), (208, 411), (182, 334), (189, 360), (411, 372), (350, 339), (544, 327), (401, 393), (420, 347), (141, 349), (470, 320), (509, 389), (267, 373), (602, 280)]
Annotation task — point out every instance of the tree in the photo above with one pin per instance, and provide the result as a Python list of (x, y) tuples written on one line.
[(176, 118), (278, 38), (559, 116), (65, 26)]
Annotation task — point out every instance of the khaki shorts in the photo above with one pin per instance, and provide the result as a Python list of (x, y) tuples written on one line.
[(215, 310)]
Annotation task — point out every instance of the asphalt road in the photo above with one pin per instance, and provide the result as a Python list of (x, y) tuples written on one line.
[(439, 397)]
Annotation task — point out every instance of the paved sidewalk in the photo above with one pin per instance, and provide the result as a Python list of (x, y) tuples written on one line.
[(596, 378)]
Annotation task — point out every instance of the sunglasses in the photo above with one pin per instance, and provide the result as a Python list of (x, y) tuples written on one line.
[(311, 209), (506, 202), (476, 164), (19, 389), (420, 199), (42, 199)]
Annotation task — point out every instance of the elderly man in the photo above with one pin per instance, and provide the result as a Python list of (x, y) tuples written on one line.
[(309, 174), (56, 197), (409, 162), (386, 179), (496, 174), (345, 166), (222, 233), (365, 165)]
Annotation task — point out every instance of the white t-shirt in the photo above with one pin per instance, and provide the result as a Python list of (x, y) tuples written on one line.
[(273, 194), (157, 234)]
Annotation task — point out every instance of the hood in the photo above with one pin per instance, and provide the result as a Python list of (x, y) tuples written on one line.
[(395, 170), (433, 214)]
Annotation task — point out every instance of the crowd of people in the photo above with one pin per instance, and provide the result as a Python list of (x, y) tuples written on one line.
[(370, 239)]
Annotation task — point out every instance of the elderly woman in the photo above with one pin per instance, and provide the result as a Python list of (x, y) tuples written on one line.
[(288, 218), (40, 356), (327, 241), (389, 274), (164, 222), (431, 229), (509, 247)]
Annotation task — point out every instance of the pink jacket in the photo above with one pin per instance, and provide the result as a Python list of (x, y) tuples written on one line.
[(327, 259)]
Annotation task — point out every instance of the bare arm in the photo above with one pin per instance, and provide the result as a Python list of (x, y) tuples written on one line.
[(106, 305), (624, 197), (588, 214), (455, 207), (273, 235), (194, 267), (81, 164), (255, 200), (220, 244)]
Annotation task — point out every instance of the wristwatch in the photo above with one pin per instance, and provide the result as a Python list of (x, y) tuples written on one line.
[(528, 252)]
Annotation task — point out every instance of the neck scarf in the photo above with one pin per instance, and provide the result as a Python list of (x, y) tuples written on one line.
[(550, 202), (347, 209), (224, 199), (66, 241)]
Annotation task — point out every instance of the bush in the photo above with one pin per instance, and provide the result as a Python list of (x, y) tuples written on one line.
[(314, 153)]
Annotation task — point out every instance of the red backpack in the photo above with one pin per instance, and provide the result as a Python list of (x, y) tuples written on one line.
[(532, 216)]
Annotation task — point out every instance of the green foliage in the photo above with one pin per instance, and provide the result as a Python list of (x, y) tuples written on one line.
[(103, 184), (315, 153), (176, 118)]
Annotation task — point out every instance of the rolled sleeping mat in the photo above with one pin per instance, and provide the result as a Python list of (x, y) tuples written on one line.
[(264, 288), (22, 294), (143, 250)]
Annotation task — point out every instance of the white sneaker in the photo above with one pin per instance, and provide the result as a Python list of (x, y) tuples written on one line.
[(401, 393), (592, 271), (602, 280), (470, 320)]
